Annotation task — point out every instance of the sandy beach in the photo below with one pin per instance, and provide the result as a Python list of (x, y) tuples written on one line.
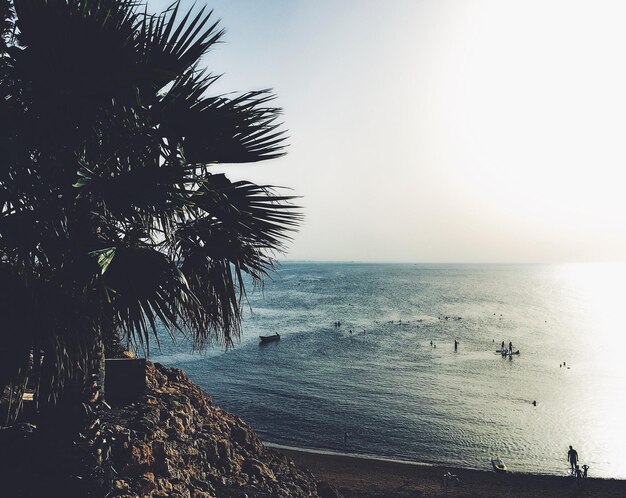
[(357, 477)]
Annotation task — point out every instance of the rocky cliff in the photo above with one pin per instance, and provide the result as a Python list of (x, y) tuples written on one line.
[(170, 443)]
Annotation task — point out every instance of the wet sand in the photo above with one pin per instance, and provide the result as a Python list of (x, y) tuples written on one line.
[(357, 477)]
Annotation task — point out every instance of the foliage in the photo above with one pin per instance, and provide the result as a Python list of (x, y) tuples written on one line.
[(111, 221)]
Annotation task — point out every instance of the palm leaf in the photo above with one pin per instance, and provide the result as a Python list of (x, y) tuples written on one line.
[(219, 129), (169, 45)]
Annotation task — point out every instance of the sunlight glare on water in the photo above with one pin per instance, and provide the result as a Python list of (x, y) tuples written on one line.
[(599, 291)]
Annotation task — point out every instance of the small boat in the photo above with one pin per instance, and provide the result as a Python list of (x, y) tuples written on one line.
[(269, 338), (506, 352), (498, 464)]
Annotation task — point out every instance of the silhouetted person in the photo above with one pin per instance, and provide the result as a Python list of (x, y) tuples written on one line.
[(579, 476), (534, 403), (572, 457), (510, 347), (585, 469), (456, 345), (502, 347), (431, 343)]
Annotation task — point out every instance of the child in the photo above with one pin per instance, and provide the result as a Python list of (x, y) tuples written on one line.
[(585, 469), (579, 476)]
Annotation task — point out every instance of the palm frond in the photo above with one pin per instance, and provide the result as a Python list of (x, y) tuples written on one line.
[(145, 288), (233, 229), (7, 21), (218, 129), (170, 45)]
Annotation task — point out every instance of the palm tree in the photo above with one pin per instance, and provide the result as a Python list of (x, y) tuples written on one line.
[(111, 219)]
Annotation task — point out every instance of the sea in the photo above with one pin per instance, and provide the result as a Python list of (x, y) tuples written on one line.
[(375, 385)]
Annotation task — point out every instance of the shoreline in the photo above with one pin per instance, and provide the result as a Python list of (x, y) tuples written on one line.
[(406, 461), (365, 476), (363, 456)]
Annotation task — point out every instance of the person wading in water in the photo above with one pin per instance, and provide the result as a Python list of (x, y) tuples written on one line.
[(572, 457)]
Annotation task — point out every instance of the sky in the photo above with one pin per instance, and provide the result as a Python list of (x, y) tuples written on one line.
[(440, 131)]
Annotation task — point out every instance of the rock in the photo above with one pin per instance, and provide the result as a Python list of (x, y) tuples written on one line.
[(120, 485), (258, 469), (200, 494), (141, 459), (239, 435), (212, 453), (146, 486), (172, 442), (164, 486)]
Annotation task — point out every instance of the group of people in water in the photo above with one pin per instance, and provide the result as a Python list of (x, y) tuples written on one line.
[(580, 472), (506, 351), (337, 324), (456, 345)]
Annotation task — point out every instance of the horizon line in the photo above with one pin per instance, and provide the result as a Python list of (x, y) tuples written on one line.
[(407, 262)]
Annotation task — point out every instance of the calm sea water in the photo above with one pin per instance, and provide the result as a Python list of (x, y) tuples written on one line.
[(396, 396)]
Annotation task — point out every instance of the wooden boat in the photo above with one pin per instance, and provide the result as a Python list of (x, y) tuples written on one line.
[(498, 464), (269, 338)]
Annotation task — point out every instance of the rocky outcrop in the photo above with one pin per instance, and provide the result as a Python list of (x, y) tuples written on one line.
[(170, 443)]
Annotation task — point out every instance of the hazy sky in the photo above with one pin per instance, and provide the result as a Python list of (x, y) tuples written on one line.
[(440, 131)]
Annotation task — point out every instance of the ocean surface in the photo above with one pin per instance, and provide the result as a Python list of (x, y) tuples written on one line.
[(378, 379)]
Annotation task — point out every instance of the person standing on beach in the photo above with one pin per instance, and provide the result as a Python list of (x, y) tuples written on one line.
[(510, 347), (502, 348), (572, 457), (456, 345)]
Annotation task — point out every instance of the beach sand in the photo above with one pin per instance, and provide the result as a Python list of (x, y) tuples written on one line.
[(357, 477)]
